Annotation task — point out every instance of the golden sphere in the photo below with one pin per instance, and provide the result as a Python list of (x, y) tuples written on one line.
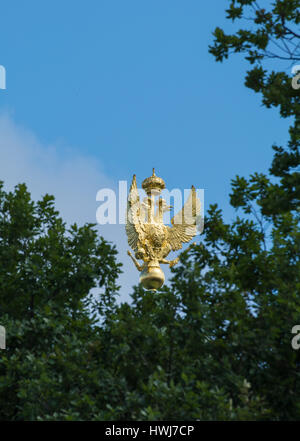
[(152, 278)]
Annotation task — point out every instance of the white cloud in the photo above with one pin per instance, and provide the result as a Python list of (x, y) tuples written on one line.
[(73, 178)]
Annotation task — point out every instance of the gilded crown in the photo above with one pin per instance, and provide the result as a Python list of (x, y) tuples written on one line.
[(153, 185)]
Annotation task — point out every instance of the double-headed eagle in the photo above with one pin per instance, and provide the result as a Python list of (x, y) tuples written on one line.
[(147, 235)]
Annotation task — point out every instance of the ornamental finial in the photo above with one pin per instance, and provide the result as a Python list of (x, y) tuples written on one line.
[(147, 235)]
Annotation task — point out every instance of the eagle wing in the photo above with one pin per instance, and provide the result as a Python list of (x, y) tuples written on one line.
[(134, 223), (184, 223)]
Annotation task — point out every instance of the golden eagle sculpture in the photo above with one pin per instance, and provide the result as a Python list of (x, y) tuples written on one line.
[(149, 238)]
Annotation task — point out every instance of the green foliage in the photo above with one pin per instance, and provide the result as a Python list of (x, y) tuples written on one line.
[(46, 274), (272, 34)]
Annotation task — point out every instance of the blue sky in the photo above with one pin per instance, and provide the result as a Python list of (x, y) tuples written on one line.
[(100, 89)]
